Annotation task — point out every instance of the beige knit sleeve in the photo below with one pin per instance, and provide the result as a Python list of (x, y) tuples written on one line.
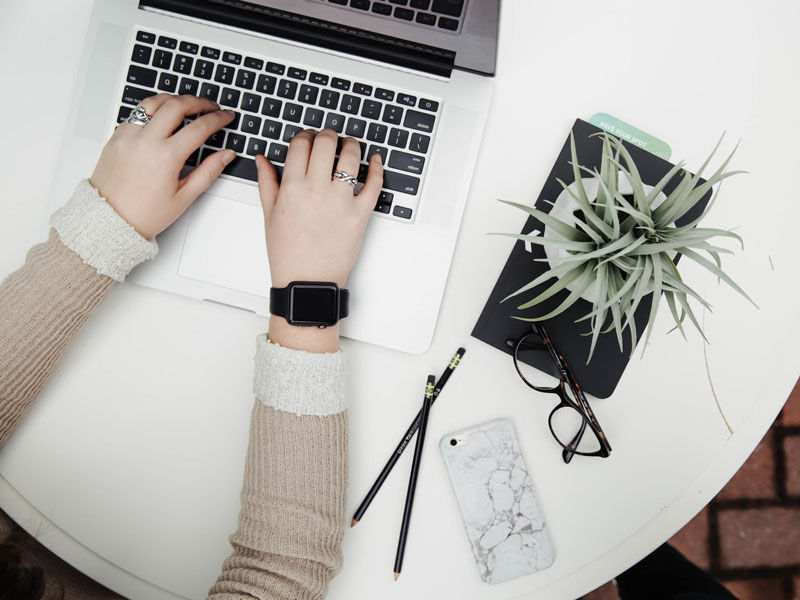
[(292, 519)]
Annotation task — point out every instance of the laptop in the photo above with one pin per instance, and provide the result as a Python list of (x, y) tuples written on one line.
[(409, 79)]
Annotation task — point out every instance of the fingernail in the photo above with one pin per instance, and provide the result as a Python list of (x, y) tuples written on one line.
[(379, 159), (228, 157)]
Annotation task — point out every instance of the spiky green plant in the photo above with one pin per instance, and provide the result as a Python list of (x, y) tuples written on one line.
[(626, 245)]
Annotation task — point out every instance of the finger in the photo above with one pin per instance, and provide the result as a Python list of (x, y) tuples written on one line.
[(199, 180), (368, 196), (189, 139), (297, 158), (150, 106), (349, 157), (320, 165), (172, 112), (267, 186)]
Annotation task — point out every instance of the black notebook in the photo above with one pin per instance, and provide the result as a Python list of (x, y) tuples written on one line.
[(496, 325)]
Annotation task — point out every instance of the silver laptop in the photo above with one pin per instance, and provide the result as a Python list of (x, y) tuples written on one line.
[(410, 79)]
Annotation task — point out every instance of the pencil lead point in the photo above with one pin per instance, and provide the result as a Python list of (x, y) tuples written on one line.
[(353, 523), (396, 575)]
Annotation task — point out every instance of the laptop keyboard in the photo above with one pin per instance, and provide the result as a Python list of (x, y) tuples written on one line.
[(276, 100), (444, 15)]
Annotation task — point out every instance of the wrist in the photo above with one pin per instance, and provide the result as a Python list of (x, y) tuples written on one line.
[(310, 339)]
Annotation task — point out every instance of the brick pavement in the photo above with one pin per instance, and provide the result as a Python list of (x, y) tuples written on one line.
[(748, 537)]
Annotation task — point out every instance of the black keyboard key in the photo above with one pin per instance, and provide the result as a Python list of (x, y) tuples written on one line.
[(363, 146), (256, 146), (329, 99), (400, 182), (292, 112), (383, 208), (290, 131), (142, 76), (230, 97), (392, 114), (193, 157), (342, 2), (421, 4), (183, 64), (271, 107), (134, 95), (234, 125), (362, 88), (235, 142), (335, 122), (430, 105), (232, 57), (318, 78), (141, 54), (251, 102), (275, 68), (308, 94), (350, 104), (188, 87), (210, 91), (363, 170), (167, 42), (162, 59), (417, 120), (224, 74), (400, 2), (451, 8), (266, 84), (398, 137), (204, 69), (449, 24), (287, 89), (402, 212), (384, 94), (377, 133), (244, 168), (313, 118), (426, 19), (277, 152), (253, 63), (251, 124), (406, 162), (216, 139), (356, 127), (144, 36), (377, 150), (245, 79), (360, 4), (403, 13), (341, 84), (272, 129), (297, 73), (419, 143), (210, 53), (381, 9), (371, 109), (189, 48), (406, 99), (124, 113), (168, 82)]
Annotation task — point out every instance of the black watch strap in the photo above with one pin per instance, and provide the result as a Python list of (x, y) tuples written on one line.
[(279, 300)]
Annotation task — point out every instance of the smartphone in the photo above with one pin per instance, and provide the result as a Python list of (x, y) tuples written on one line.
[(494, 492)]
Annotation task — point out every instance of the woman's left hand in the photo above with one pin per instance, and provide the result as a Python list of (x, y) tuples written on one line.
[(139, 170)]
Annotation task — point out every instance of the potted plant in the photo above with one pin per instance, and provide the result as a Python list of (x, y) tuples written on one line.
[(612, 240)]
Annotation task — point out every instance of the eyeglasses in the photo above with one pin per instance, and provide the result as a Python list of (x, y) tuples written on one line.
[(569, 420)]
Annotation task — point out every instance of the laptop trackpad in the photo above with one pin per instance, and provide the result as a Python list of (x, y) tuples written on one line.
[(225, 245)]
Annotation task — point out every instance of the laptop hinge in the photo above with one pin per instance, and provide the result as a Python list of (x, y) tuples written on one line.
[(316, 32)]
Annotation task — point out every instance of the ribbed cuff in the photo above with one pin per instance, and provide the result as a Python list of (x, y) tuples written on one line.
[(91, 228), (300, 382)]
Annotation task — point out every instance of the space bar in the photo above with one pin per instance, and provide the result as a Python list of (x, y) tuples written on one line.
[(242, 167)]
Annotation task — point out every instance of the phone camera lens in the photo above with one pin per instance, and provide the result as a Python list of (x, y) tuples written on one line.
[(453, 442)]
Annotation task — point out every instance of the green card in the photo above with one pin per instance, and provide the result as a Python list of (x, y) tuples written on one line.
[(632, 135)]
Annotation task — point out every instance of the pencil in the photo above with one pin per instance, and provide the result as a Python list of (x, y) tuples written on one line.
[(406, 439), (412, 480)]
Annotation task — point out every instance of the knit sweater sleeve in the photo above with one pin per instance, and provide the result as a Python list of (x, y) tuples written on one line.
[(292, 518), (46, 301)]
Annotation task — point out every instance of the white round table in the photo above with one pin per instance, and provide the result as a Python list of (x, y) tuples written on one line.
[(129, 465)]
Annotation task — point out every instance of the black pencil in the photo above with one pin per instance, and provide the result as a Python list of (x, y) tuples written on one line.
[(454, 362), (412, 480)]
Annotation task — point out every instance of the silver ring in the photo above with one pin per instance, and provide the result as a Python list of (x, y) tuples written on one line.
[(138, 117), (346, 177)]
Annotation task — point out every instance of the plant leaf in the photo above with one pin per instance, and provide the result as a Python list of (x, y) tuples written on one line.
[(543, 241), (562, 228), (701, 260), (559, 285)]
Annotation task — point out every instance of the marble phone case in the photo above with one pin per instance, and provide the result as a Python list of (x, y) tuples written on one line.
[(495, 495)]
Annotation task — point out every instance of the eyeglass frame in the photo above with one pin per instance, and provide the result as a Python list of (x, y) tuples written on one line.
[(582, 407)]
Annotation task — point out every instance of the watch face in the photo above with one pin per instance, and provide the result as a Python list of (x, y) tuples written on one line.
[(313, 303)]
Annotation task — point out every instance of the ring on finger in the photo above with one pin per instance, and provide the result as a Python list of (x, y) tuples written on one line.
[(138, 117), (345, 177)]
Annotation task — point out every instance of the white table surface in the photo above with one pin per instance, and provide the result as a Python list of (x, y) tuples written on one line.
[(129, 465)]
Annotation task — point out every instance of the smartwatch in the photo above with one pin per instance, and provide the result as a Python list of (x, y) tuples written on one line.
[(310, 303)]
